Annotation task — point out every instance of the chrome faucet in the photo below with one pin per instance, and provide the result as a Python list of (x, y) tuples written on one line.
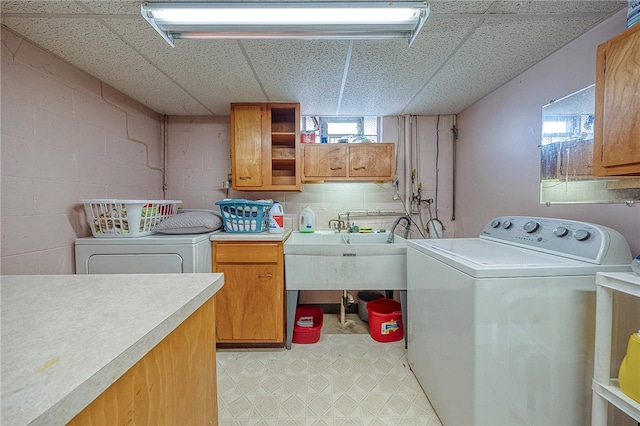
[(407, 226), (347, 225), (339, 224)]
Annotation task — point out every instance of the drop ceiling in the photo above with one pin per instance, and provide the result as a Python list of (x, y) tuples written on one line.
[(465, 50)]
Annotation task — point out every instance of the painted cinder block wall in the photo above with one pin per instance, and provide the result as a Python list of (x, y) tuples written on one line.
[(65, 136)]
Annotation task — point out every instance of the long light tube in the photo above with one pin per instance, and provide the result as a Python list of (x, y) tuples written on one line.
[(287, 20)]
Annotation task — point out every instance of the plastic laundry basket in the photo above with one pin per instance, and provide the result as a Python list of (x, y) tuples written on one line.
[(385, 320)]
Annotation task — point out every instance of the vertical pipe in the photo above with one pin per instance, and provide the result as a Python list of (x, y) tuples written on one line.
[(343, 309), (453, 168), (407, 162), (165, 148)]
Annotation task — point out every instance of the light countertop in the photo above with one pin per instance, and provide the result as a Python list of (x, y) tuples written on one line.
[(251, 236), (67, 338)]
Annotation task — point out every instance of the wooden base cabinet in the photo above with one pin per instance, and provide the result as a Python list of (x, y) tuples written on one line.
[(250, 306), (616, 146), (174, 384)]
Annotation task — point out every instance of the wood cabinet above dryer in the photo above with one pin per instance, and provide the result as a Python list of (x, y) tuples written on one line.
[(265, 146)]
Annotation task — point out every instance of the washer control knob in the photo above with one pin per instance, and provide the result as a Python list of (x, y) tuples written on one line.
[(581, 235), (495, 223), (560, 231), (531, 226), (507, 224)]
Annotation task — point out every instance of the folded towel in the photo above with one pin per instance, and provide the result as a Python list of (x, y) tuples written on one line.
[(305, 322)]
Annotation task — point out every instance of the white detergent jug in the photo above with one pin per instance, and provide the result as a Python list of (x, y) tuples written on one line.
[(276, 219), (307, 220)]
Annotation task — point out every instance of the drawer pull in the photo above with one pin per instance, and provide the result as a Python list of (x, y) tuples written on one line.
[(244, 177), (262, 276), (359, 168), (335, 168)]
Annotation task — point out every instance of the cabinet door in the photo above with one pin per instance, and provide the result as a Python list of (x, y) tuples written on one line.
[(617, 127), (375, 161), (246, 148), (325, 160), (250, 304)]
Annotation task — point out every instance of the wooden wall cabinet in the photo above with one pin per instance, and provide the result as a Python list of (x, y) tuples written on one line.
[(324, 160), (348, 162), (250, 306), (616, 148), (265, 146)]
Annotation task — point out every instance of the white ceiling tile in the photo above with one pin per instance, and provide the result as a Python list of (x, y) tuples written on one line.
[(309, 72), (42, 7), (568, 6), (196, 66), (466, 49), (94, 49), (386, 75), (496, 52)]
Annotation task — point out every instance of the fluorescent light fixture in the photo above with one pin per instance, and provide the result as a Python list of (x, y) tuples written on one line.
[(312, 20)]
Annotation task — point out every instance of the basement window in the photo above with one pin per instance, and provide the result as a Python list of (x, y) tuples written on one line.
[(343, 129)]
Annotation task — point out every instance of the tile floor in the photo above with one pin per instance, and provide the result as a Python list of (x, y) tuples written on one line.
[(344, 379)]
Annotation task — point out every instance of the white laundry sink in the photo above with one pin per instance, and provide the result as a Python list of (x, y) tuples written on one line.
[(328, 260)]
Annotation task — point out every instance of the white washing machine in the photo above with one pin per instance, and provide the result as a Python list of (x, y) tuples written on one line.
[(501, 327), (156, 253)]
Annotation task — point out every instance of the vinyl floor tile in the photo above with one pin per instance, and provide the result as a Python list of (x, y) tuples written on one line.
[(343, 379)]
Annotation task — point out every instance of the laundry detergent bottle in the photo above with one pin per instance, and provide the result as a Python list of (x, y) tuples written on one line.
[(276, 219), (629, 374), (307, 220)]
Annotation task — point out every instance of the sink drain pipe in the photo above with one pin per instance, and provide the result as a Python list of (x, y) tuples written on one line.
[(347, 301)]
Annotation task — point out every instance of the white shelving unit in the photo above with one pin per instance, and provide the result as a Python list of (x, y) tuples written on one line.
[(605, 389)]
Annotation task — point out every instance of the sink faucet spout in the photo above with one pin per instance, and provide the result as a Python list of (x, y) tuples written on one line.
[(407, 226)]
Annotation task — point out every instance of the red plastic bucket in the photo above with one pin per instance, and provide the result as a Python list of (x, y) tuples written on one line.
[(385, 320), (308, 334)]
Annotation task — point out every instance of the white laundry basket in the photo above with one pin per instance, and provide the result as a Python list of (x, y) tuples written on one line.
[(127, 218)]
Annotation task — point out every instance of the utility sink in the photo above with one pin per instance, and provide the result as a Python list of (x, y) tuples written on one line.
[(328, 260)]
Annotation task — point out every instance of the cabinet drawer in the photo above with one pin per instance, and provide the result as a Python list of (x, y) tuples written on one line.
[(246, 252)]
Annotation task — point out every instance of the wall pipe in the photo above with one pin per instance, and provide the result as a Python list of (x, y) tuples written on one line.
[(165, 150), (407, 162)]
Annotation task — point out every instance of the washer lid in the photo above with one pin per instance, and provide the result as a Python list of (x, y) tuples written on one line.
[(485, 258)]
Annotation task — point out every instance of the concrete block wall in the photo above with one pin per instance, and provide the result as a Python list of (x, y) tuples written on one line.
[(65, 136)]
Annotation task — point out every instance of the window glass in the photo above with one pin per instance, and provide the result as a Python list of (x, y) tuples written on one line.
[(342, 129)]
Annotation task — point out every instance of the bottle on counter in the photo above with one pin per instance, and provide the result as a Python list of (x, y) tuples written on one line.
[(276, 219), (307, 220), (635, 265)]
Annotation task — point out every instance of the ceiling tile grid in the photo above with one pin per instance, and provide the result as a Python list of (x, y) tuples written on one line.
[(465, 50), (497, 51), (207, 72), (309, 72), (381, 69)]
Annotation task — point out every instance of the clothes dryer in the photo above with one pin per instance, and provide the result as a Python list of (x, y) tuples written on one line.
[(156, 253)]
